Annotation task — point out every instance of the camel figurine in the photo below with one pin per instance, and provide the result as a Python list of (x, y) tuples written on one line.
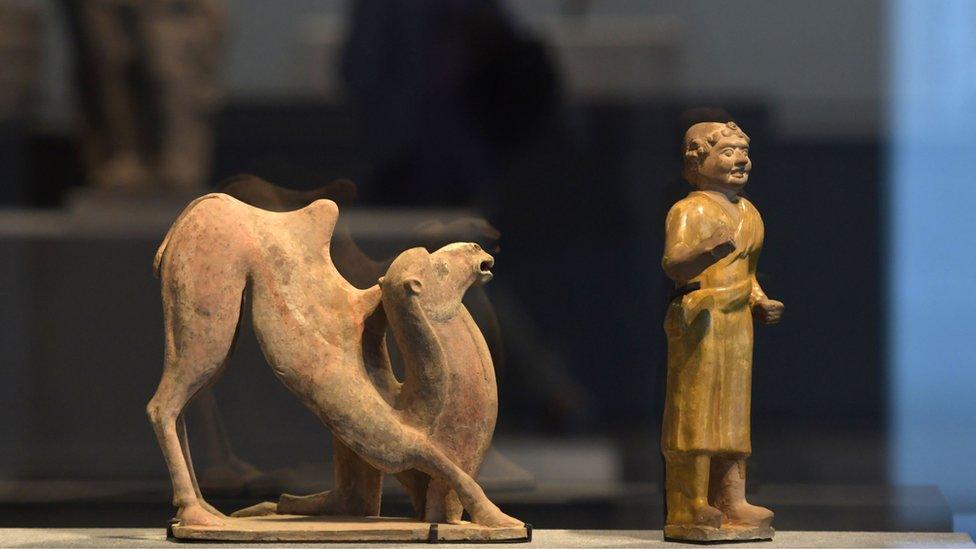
[(325, 340)]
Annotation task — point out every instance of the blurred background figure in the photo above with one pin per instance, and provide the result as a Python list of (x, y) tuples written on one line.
[(21, 54), (147, 75), (446, 93), (444, 88)]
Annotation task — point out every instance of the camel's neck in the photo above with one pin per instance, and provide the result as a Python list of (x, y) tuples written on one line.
[(426, 373)]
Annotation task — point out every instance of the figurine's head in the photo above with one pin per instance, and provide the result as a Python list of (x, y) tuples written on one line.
[(716, 156), (437, 281)]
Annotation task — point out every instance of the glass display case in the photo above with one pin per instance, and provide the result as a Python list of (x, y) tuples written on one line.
[(549, 132)]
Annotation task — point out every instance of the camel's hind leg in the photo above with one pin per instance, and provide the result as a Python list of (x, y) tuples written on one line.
[(198, 344), (436, 464)]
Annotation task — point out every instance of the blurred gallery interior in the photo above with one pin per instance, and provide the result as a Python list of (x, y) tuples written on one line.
[(549, 131)]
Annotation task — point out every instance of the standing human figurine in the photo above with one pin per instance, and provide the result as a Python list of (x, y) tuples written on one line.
[(712, 242)]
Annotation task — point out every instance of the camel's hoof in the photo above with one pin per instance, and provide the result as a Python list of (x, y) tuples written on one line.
[(494, 518), (195, 515)]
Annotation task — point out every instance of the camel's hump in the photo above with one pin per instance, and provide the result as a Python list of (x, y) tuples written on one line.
[(313, 225)]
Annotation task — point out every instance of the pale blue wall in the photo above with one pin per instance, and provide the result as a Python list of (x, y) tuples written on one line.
[(932, 247)]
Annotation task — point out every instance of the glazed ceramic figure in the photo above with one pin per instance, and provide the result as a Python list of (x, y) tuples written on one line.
[(712, 243), (324, 339)]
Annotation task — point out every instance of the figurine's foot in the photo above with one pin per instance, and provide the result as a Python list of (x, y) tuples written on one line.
[(706, 515), (746, 514), (196, 515), (698, 515), (488, 514)]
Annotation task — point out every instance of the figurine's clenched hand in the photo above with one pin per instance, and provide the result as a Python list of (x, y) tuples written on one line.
[(720, 244), (767, 311)]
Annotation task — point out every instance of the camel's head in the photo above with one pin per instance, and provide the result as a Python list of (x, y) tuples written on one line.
[(436, 281)]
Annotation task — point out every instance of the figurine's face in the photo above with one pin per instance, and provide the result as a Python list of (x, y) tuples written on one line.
[(727, 163), (717, 156)]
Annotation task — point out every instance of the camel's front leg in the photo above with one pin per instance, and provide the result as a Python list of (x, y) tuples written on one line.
[(443, 504), (415, 483)]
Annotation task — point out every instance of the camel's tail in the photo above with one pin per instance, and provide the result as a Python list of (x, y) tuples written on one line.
[(158, 260)]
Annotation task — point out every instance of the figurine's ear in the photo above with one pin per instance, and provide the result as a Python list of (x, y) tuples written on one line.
[(694, 152), (412, 286)]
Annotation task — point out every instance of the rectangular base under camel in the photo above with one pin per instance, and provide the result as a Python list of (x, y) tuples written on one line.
[(286, 528)]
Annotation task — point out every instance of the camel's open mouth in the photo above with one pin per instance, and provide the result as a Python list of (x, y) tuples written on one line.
[(484, 269)]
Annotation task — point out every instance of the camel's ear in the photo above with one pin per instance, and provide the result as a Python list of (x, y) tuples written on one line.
[(412, 286), (380, 280)]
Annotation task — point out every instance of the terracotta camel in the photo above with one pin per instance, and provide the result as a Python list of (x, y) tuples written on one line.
[(356, 491), (323, 338)]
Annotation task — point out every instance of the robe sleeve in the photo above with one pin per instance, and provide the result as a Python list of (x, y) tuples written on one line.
[(757, 293), (683, 231)]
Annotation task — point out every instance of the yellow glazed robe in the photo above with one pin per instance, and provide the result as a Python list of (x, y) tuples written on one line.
[(709, 382)]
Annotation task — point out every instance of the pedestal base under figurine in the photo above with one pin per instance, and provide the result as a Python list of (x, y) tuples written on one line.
[(725, 533), (285, 528)]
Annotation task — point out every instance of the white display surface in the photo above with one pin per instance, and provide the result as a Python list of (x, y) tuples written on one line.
[(156, 537)]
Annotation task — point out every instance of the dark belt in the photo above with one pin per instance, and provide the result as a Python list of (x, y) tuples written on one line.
[(683, 290)]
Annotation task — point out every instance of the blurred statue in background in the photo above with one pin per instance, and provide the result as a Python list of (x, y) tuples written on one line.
[(147, 74), (712, 243)]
